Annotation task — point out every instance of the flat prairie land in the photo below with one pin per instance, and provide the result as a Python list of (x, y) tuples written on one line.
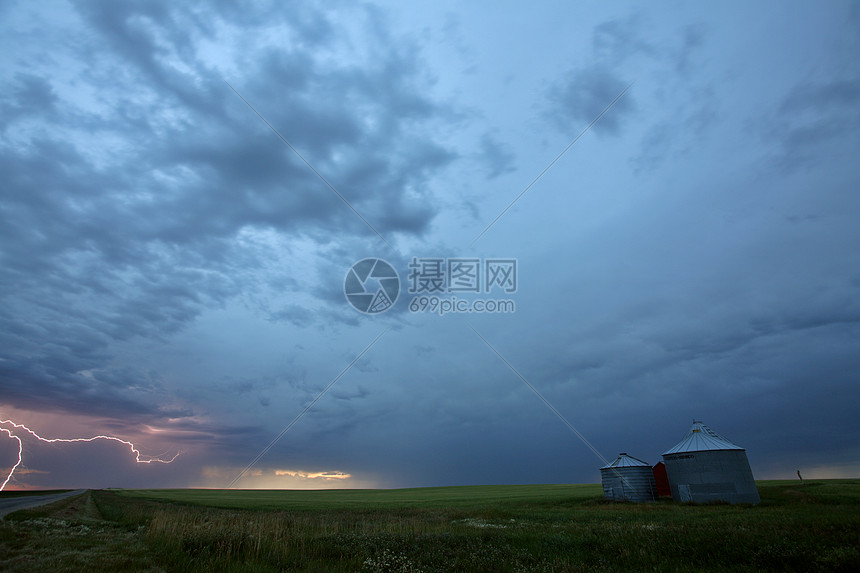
[(473, 496), (540, 528)]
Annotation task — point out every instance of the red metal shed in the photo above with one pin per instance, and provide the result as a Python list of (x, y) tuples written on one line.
[(661, 478)]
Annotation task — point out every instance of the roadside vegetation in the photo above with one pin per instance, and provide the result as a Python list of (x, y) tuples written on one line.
[(6, 494), (815, 527), (71, 535)]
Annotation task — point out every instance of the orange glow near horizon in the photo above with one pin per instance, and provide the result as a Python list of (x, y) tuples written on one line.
[(215, 477), (305, 475)]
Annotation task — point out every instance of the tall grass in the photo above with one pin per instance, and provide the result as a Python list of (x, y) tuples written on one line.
[(802, 529)]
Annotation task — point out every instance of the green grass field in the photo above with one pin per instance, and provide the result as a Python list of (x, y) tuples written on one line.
[(540, 528), (427, 497)]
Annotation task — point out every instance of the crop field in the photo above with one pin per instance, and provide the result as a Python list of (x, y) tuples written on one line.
[(426, 497), (540, 528)]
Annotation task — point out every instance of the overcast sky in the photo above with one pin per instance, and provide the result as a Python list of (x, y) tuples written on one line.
[(173, 274)]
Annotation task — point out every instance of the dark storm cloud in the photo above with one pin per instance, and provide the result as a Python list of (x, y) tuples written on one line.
[(298, 315), (763, 334), (360, 114), (496, 156), (621, 47), (815, 119), (585, 91), (583, 95), (658, 372), (123, 214), (30, 95), (684, 130), (52, 383), (356, 394), (623, 40), (692, 39), (617, 40)]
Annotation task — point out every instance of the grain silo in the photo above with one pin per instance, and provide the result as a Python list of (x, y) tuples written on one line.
[(705, 466), (628, 478)]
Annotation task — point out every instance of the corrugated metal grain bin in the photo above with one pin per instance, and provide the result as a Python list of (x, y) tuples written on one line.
[(628, 479), (705, 467)]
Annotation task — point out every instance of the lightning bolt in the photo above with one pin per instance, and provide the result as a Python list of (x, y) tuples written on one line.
[(138, 457)]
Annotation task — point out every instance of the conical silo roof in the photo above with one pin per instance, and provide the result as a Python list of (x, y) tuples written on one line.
[(701, 438), (625, 461)]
